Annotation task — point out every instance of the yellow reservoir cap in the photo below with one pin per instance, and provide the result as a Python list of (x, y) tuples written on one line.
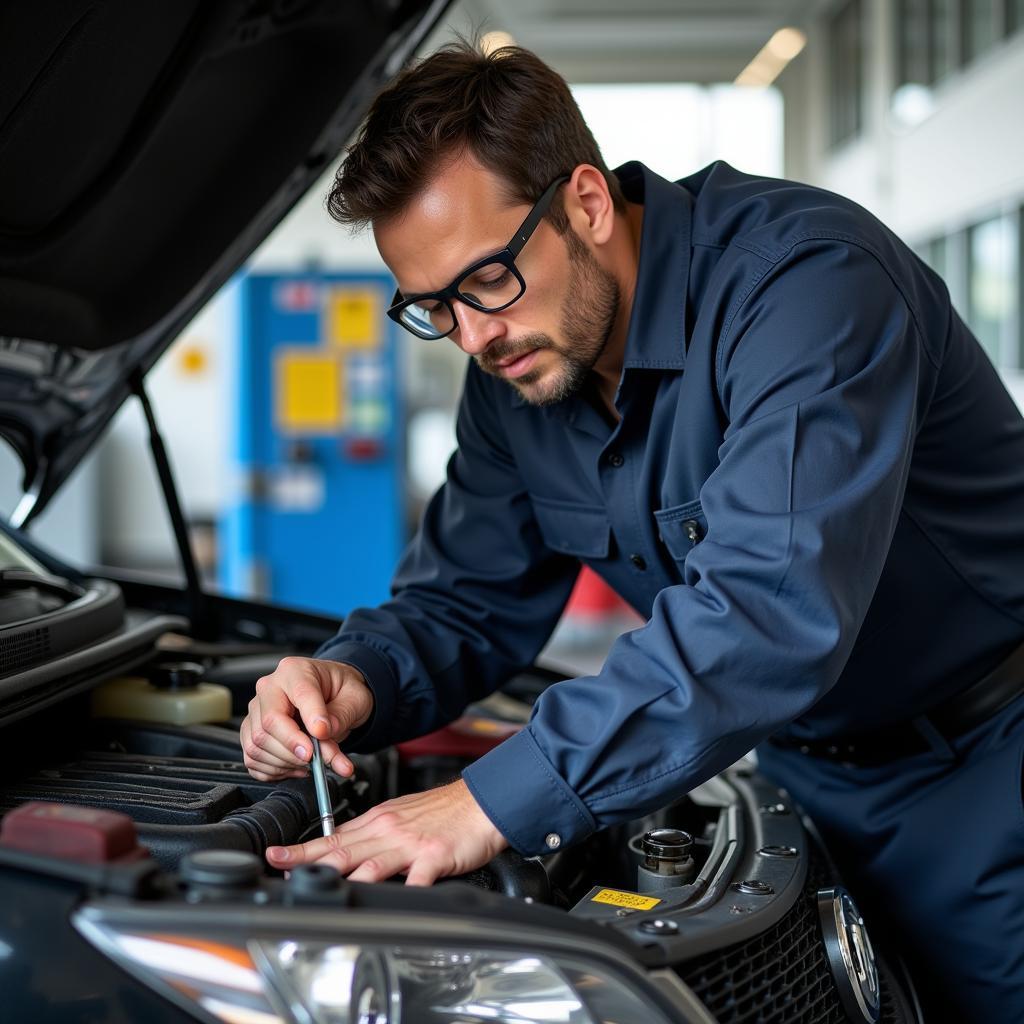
[(136, 697)]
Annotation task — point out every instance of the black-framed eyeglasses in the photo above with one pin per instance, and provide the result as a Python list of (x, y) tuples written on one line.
[(489, 285)]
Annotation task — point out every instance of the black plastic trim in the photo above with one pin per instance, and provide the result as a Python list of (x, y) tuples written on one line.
[(32, 690), (96, 613)]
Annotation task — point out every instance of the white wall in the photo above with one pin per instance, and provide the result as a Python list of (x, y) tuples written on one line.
[(968, 155), (956, 161), (951, 167)]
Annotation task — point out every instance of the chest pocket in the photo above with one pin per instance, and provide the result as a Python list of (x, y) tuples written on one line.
[(681, 528), (573, 529)]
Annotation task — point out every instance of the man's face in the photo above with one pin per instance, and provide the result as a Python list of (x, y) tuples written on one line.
[(546, 343)]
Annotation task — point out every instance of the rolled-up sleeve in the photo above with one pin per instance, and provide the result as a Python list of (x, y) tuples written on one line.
[(820, 373), (474, 598)]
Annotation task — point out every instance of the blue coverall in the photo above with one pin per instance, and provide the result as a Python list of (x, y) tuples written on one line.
[(815, 498)]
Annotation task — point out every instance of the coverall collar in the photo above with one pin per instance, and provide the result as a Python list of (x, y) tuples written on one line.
[(658, 330)]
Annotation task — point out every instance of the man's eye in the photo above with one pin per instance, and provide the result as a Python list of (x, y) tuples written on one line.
[(494, 282)]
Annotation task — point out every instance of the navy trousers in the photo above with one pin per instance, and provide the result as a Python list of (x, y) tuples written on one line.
[(932, 848)]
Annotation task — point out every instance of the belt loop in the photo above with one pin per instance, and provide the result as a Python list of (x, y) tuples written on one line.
[(931, 735)]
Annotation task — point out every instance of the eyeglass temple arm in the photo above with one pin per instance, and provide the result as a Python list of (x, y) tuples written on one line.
[(534, 216)]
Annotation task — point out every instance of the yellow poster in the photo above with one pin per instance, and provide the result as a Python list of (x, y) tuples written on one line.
[(354, 317), (309, 396)]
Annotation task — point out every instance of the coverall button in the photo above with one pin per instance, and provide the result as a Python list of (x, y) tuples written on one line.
[(616, 460), (552, 840), (638, 561), (693, 530)]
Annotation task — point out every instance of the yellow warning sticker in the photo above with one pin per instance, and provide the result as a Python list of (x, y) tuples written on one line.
[(633, 900), (354, 318), (309, 392)]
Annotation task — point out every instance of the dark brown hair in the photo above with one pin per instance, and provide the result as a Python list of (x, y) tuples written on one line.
[(512, 112)]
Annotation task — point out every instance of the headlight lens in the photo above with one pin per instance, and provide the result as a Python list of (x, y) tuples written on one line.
[(308, 982)]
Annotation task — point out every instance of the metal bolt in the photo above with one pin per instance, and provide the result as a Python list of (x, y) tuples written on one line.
[(753, 887), (659, 927), (778, 851)]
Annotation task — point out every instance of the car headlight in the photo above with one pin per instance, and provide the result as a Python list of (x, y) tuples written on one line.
[(263, 981)]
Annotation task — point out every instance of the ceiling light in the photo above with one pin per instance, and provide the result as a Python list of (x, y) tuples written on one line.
[(787, 43), (783, 46)]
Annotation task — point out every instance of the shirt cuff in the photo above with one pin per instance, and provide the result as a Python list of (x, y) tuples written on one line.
[(383, 683), (526, 799)]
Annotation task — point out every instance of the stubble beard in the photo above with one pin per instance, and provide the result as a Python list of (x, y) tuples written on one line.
[(589, 313)]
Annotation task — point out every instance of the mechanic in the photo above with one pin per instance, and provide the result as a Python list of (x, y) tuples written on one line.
[(752, 410)]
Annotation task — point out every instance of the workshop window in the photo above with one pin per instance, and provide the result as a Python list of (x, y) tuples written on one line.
[(1014, 16), (937, 37), (846, 69), (914, 25), (937, 256), (944, 37), (993, 288), (979, 21)]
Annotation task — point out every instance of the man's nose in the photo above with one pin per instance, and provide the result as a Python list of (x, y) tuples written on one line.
[(475, 330)]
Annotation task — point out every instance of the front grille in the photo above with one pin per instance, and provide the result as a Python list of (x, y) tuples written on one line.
[(782, 976), (778, 977)]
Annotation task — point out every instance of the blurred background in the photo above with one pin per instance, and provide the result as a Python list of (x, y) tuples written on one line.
[(914, 108)]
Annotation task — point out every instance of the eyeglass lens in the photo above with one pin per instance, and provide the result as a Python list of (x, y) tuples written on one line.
[(489, 288)]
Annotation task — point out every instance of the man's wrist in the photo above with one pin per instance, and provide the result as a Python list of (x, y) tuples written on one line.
[(532, 806)]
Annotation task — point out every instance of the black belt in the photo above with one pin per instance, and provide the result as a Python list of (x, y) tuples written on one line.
[(952, 718)]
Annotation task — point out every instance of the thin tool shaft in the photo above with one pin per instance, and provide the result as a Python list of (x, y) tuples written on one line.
[(323, 797)]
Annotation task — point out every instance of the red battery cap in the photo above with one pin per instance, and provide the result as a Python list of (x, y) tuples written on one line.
[(82, 834)]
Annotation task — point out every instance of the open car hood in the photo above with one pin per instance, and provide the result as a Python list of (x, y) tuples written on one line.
[(145, 151)]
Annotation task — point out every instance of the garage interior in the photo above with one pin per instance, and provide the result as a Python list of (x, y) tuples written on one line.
[(299, 489), (908, 107)]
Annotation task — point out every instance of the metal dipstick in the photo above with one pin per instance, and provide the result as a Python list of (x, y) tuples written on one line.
[(323, 797)]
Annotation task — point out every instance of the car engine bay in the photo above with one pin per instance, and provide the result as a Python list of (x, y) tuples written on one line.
[(725, 888)]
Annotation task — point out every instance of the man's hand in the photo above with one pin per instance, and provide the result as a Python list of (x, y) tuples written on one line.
[(424, 836), (330, 699)]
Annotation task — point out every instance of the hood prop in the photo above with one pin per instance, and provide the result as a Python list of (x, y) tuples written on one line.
[(196, 597)]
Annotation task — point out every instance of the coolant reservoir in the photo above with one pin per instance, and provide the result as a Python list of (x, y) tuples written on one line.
[(174, 694)]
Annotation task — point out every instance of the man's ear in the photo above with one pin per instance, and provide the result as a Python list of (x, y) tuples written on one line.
[(588, 204)]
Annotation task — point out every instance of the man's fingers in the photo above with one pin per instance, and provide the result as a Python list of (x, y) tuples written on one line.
[(424, 871), (332, 755), (304, 691), (272, 718), (303, 853), (331, 850), (348, 707), (379, 866), (426, 835), (268, 748), (264, 766)]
